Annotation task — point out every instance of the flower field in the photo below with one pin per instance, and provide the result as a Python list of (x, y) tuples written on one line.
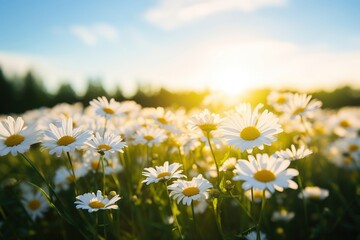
[(285, 169)]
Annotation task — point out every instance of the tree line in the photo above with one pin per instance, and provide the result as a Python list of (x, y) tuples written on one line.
[(19, 94)]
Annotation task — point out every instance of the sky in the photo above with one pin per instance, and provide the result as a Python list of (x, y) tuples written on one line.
[(229, 45)]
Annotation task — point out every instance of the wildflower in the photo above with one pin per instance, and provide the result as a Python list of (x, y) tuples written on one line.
[(165, 172), (205, 121), (188, 191), (106, 145), (282, 215), (293, 153), (15, 137), (93, 203), (257, 194), (165, 119), (248, 129), (345, 122), (150, 136), (129, 108), (228, 165), (63, 177), (253, 236), (64, 138), (314, 192), (104, 108), (345, 152), (278, 100), (299, 105), (35, 204), (264, 172)]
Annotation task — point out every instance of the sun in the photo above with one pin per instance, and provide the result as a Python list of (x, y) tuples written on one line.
[(233, 81)]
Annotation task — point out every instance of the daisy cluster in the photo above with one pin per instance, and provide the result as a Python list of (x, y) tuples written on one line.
[(198, 156)]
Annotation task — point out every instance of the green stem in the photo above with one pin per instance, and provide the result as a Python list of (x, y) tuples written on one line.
[(194, 218), (52, 191), (252, 201), (73, 172), (258, 237), (59, 207), (303, 200), (244, 209), (218, 217), (172, 212), (213, 155), (103, 171)]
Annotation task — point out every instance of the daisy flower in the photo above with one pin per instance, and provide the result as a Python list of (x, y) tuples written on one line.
[(15, 137), (64, 138), (345, 122), (228, 165), (257, 195), (188, 191), (293, 154), (278, 100), (35, 204), (282, 215), (314, 193), (165, 119), (345, 152), (299, 105), (106, 145), (63, 177), (93, 203), (129, 108), (150, 136), (165, 172), (264, 172), (205, 121), (248, 129), (104, 108), (253, 236)]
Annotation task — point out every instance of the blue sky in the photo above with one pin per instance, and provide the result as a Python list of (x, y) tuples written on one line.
[(230, 45)]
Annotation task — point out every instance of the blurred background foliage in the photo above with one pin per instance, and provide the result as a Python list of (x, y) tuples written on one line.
[(18, 94)]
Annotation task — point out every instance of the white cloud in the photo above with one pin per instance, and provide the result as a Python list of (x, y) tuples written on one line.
[(91, 35), (169, 14)]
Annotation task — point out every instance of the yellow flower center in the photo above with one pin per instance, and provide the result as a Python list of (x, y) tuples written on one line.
[(65, 140), (298, 111), (347, 160), (353, 147), (149, 138), (104, 147), (162, 120), (70, 178), (257, 194), (108, 110), (96, 204), (344, 124), (207, 127), (191, 191), (229, 166), (34, 204), (250, 133), (14, 140), (264, 176), (163, 174), (95, 165), (281, 100)]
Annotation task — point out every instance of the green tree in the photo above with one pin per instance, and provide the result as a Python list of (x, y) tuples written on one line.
[(66, 94), (94, 90), (7, 95), (33, 94)]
